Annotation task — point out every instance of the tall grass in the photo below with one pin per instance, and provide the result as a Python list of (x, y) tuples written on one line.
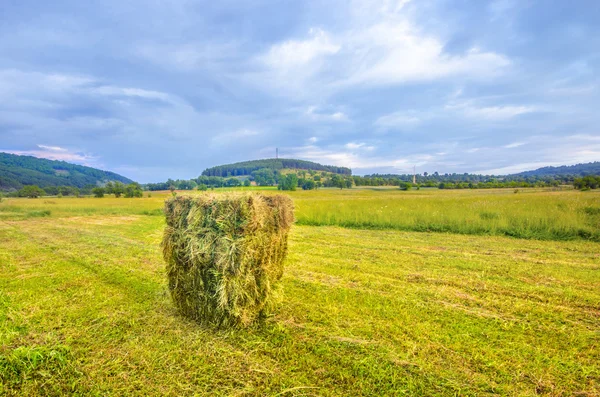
[(537, 214)]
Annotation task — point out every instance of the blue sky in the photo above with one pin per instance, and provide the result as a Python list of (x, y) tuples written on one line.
[(156, 89)]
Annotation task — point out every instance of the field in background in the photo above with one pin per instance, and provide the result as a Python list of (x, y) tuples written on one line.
[(530, 213), (84, 307)]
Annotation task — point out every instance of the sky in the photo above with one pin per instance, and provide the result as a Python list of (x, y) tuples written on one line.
[(157, 89)]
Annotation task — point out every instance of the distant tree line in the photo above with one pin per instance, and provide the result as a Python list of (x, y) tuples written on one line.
[(119, 189), (464, 180), (247, 167)]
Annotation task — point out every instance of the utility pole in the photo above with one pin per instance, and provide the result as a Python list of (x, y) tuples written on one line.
[(414, 175), (276, 152)]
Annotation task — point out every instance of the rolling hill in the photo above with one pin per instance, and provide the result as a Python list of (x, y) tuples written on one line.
[(575, 170), (17, 171), (247, 167)]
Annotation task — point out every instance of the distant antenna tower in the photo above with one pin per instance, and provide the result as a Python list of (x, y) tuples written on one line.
[(414, 175), (276, 152)]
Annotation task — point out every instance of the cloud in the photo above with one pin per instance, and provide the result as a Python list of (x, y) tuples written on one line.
[(172, 87), (393, 53), (56, 153), (314, 114), (400, 119), (233, 137), (502, 112), (52, 148), (356, 146), (388, 50), (514, 145), (294, 54)]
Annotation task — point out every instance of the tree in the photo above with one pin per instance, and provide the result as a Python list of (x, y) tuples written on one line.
[(405, 186), (338, 181), (118, 189), (133, 190), (31, 191), (232, 182), (309, 184), (202, 187), (247, 182), (289, 182), (98, 192)]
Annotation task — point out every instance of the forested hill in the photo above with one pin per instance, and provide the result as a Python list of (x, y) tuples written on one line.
[(575, 170), (247, 167), (17, 171)]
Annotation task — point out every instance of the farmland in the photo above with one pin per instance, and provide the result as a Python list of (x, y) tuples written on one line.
[(423, 292)]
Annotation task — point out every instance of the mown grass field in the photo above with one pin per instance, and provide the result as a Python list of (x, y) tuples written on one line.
[(371, 307)]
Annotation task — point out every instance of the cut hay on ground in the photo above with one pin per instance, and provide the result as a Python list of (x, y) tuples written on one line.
[(225, 254)]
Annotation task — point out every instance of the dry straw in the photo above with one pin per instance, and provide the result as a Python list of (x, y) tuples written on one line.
[(225, 254)]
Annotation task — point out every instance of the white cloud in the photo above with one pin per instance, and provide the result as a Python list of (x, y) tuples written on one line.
[(56, 153), (399, 119), (396, 52), (469, 109), (233, 137), (514, 145), (52, 148), (131, 92), (360, 145), (386, 49), (361, 159), (314, 114), (294, 54), (313, 139)]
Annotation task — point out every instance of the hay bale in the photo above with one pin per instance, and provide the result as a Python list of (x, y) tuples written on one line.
[(225, 254)]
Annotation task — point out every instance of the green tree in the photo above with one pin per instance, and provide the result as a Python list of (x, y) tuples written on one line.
[(338, 181), (31, 191), (133, 190), (202, 187), (232, 182), (247, 182), (309, 184), (98, 191), (289, 182), (118, 189)]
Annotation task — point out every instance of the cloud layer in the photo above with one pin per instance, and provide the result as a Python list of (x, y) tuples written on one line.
[(165, 89)]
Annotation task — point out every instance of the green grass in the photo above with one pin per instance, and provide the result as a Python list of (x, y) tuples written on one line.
[(531, 214), (84, 307)]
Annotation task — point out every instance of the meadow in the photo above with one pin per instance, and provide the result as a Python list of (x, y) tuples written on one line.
[(386, 293)]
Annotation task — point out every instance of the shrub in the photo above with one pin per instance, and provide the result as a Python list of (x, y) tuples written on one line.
[(225, 254)]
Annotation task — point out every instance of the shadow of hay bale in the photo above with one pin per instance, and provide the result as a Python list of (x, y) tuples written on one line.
[(225, 255)]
